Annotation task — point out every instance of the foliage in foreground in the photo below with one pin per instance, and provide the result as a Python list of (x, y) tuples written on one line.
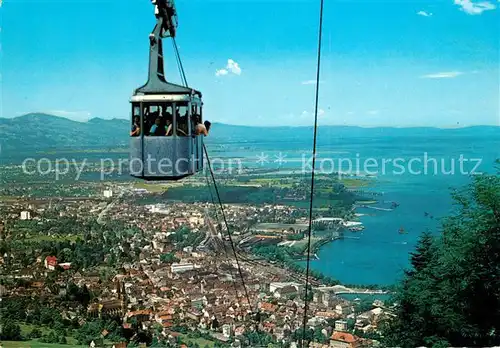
[(451, 294)]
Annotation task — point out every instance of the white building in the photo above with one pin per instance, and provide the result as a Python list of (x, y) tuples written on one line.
[(341, 325), (158, 208), (329, 219), (108, 193), (226, 330), (344, 309), (275, 286), (352, 223), (181, 267), (25, 215), (339, 220), (196, 220)]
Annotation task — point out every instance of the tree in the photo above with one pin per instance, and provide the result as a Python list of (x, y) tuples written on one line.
[(51, 337), (35, 333), (422, 255), (319, 337), (168, 258), (85, 296), (155, 342), (320, 226), (90, 331), (364, 306), (10, 332), (451, 296)]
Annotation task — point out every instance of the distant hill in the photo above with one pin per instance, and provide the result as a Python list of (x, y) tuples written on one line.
[(41, 132), (328, 132)]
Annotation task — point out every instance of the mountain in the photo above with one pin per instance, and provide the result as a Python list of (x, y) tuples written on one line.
[(42, 132), (326, 134)]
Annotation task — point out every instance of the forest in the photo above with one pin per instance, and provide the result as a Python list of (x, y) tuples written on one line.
[(451, 294)]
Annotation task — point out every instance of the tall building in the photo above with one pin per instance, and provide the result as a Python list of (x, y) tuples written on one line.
[(25, 215)]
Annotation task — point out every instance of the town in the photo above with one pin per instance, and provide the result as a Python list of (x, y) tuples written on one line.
[(122, 271)]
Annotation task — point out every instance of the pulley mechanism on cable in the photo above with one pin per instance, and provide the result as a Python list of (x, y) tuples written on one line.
[(164, 143)]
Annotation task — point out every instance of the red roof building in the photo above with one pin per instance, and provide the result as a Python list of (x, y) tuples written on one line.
[(51, 262), (343, 340)]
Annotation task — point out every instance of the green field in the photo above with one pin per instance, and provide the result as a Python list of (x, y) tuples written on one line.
[(153, 188), (302, 244), (355, 183), (275, 182), (27, 328), (202, 342)]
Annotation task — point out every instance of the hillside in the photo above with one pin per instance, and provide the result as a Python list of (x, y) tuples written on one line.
[(41, 132)]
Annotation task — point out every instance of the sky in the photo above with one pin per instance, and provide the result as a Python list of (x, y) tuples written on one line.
[(383, 63)]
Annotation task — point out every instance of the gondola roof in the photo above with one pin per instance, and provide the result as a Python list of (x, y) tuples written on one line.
[(161, 87)]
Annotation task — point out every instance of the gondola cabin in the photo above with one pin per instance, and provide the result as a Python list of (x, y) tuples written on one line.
[(163, 143)]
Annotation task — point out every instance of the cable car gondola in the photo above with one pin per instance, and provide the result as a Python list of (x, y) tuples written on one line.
[(163, 143)]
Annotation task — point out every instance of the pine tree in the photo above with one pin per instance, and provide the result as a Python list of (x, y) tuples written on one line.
[(451, 296), (423, 253)]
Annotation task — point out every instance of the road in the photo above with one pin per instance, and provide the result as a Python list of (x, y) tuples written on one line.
[(212, 236), (103, 213)]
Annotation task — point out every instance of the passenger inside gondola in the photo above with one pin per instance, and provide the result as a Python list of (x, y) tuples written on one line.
[(147, 120), (182, 121), (201, 128), (207, 126), (136, 129), (159, 128), (169, 124)]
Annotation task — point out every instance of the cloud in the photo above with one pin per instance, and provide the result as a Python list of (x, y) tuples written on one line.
[(221, 72), (474, 8), (442, 75), (74, 115), (373, 112), (425, 14), (231, 67), (311, 82), (305, 113)]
